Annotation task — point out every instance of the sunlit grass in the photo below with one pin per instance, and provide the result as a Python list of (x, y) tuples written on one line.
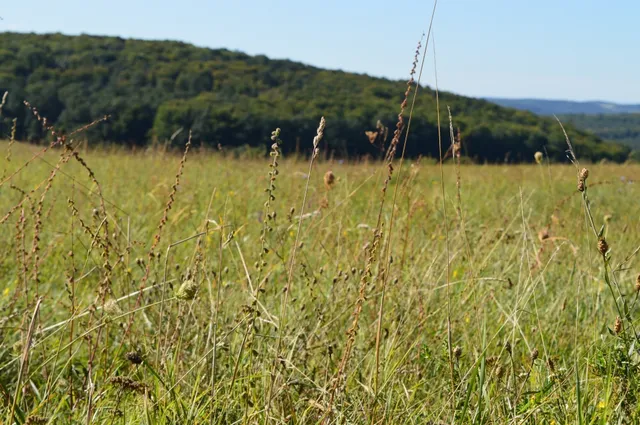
[(530, 310)]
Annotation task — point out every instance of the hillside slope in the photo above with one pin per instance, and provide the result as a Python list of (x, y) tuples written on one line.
[(153, 88)]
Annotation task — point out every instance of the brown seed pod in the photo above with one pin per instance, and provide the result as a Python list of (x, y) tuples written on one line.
[(617, 326), (583, 174), (329, 179), (603, 246)]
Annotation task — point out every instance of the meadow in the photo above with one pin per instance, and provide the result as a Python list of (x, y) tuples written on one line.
[(159, 287)]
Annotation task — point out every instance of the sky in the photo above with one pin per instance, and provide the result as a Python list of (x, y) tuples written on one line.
[(549, 49)]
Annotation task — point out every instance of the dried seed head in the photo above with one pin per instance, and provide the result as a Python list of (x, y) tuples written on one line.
[(324, 203), (457, 149), (36, 420), (583, 174), (128, 384), (187, 290), (319, 135), (507, 347), (329, 179), (582, 177), (4, 100), (603, 246), (457, 352), (538, 157), (111, 308), (638, 283), (134, 357), (534, 355), (617, 326), (551, 364)]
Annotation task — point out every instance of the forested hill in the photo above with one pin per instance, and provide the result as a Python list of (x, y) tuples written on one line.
[(622, 128), (153, 88)]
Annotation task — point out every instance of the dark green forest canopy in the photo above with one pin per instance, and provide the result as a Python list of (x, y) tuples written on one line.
[(621, 128), (153, 88)]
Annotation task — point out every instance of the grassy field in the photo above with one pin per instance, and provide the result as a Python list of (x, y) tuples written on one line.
[(225, 298)]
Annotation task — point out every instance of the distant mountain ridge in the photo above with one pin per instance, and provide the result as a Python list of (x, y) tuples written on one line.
[(563, 107)]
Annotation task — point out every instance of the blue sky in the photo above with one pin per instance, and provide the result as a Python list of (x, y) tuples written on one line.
[(557, 49)]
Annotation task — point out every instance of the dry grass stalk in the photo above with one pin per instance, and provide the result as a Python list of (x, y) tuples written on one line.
[(35, 246), (24, 359), (446, 231), (12, 138), (3, 101), (268, 221), (374, 246), (156, 239), (379, 136), (287, 290)]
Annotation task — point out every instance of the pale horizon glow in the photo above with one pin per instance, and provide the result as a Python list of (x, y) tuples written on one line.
[(581, 50)]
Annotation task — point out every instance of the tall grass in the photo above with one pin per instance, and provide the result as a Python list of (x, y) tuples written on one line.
[(159, 288)]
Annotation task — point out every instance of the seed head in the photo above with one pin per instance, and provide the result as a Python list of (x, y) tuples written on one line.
[(36, 420), (534, 355), (329, 179), (187, 290), (638, 283), (603, 246), (457, 352), (538, 157), (617, 326), (582, 177), (128, 384), (319, 135), (4, 99), (583, 174), (111, 308), (134, 357), (551, 364), (324, 203)]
